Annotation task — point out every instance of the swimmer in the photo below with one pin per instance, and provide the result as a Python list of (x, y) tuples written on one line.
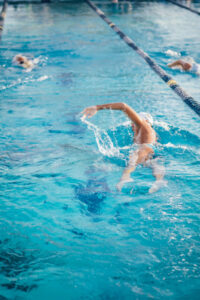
[(185, 66), (144, 137), (22, 61)]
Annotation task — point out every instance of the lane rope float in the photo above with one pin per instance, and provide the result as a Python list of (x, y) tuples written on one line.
[(190, 101), (2, 16), (184, 6)]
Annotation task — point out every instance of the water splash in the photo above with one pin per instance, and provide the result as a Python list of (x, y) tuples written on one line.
[(14, 83), (42, 78), (22, 82), (162, 124), (172, 53), (104, 142)]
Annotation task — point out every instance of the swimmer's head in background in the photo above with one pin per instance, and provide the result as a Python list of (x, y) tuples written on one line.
[(147, 117), (22, 61), (19, 59)]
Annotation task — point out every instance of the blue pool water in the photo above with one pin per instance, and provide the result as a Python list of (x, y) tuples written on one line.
[(66, 233)]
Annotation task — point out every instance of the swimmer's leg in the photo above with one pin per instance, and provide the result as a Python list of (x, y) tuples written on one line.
[(136, 158), (128, 170), (159, 173)]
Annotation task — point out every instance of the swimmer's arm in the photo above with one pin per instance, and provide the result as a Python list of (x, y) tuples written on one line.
[(175, 63), (186, 66), (133, 116)]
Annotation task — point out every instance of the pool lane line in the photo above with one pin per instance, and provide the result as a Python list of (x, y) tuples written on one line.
[(2, 16), (190, 101), (18, 2), (184, 6)]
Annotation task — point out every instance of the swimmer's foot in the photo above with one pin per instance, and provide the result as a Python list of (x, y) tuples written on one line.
[(157, 185), (122, 182)]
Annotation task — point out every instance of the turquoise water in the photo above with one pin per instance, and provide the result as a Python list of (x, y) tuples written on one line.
[(66, 233)]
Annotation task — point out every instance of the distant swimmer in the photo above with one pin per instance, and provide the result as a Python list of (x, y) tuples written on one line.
[(190, 66), (188, 3), (24, 62), (144, 137)]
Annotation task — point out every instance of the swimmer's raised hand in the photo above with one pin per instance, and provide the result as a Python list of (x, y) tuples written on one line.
[(89, 111)]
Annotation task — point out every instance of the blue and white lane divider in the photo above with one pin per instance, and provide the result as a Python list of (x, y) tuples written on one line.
[(184, 6), (192, 103), (3, 15)]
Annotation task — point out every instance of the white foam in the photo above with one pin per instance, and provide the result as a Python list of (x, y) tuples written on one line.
[(18, 81), (28, 69), (172, 53), (26, 80), (42, 78), (162, 124), (103, 140), (170, 145), (36, 61), (184, 147)]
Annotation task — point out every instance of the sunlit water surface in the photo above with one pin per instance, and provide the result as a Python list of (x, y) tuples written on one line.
[(66, 232)]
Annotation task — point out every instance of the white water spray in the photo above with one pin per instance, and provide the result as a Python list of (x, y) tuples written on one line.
[(103, 140)]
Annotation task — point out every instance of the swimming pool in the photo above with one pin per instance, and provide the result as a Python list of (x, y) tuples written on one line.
[(66, 233)]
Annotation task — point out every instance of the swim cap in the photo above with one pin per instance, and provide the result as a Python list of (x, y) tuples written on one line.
[(147, 117)]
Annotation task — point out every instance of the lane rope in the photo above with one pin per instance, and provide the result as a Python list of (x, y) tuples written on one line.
[(190, 101), (184, 6), (18, 2), (2, 16)]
